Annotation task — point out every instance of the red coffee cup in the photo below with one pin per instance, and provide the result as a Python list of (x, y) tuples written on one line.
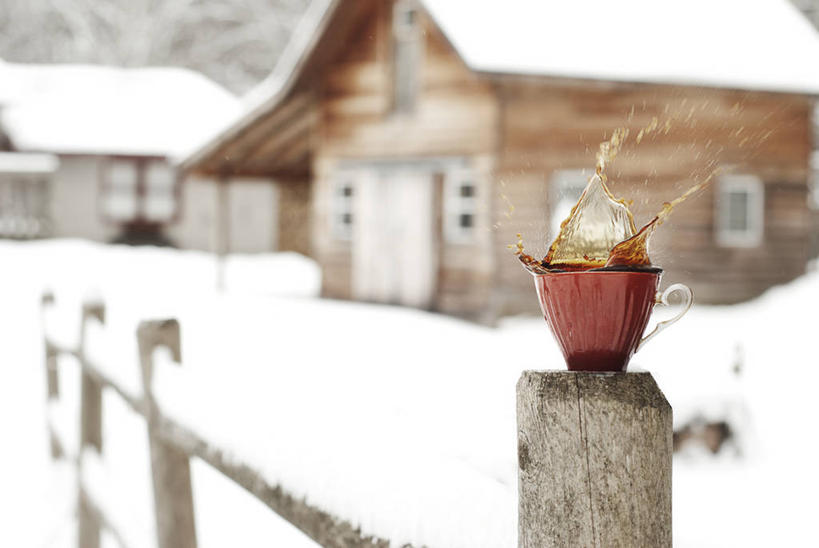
[(598, 316)]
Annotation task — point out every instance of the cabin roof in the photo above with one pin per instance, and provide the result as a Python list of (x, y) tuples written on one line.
[(764, 45), (760, 45), (85, 109)]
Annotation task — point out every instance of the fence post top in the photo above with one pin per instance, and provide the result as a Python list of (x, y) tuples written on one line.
[(47, 298), (152, 334), (636, 388), (94, 308)]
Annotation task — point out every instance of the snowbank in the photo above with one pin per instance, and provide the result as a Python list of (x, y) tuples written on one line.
[(42, 495), (403, 421)]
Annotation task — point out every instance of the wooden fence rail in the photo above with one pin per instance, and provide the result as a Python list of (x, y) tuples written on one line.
[(594, 456), (172, 445)]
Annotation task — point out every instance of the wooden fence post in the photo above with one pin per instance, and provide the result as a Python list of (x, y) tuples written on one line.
[(594, 460), (88, 527), (223, 219), (52, 374), (170, 467)]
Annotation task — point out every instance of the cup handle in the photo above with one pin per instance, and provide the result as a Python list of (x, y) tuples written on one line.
[(688, 300)]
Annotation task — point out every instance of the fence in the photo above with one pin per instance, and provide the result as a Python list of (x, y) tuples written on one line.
[(594, 456)]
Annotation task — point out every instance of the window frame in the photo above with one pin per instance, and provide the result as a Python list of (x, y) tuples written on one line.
[(753, 234), (24, 205), (152, 191), (110, 189), (456, 205), (813, 181), (342, 204), (142, 166)]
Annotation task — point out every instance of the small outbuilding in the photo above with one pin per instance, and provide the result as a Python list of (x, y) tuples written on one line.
[(90, 151)]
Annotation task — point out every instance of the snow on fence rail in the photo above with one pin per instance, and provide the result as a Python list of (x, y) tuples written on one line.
[(171, 445), (594, 456)]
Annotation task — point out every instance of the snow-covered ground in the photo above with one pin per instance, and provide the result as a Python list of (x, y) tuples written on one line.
[(39, 495), (398, 420)]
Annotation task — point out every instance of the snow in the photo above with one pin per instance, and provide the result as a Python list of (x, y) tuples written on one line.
[(401, 421), (41, 495), (86, 109), (18, 163), (758, 45)]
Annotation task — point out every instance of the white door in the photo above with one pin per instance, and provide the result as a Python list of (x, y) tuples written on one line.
[(394, 251)]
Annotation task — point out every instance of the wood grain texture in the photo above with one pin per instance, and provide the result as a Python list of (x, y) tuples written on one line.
[(88, 526), (594, 456)]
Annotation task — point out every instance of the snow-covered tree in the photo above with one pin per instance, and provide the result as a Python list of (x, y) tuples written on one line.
[(235, 42)]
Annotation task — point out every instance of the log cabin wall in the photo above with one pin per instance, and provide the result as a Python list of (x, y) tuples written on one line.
[(552, 124), (453, 121)]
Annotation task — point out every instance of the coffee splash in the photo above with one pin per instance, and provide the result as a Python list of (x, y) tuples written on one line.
[(634, 251), (600, 231), (596, 224)]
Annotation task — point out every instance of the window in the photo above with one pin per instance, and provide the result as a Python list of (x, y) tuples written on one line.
[(139, 189), (120, 199), (160, 199), (461, 208), (567, 186), (342, 214), (23, 205), (740, 211), (406, 55), (25, 181)]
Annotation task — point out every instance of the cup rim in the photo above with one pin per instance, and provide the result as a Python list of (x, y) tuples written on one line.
[(652, 271)]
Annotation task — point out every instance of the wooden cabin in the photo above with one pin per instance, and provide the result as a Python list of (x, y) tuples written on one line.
[(410, 141)]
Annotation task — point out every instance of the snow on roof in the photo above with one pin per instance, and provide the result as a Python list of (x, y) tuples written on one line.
[(20, 162), (760, 45), (84, 109)]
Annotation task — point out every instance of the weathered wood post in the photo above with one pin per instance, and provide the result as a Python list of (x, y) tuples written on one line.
[(88, 527), (170, 467), (594, 460), (52, 374), (222, 229)]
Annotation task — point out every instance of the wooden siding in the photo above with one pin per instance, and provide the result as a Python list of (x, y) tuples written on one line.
[(278, 144), (293, 216), (454, 118), (549, 124)]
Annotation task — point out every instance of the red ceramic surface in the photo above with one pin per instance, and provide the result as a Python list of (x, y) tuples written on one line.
[(599, 317)]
